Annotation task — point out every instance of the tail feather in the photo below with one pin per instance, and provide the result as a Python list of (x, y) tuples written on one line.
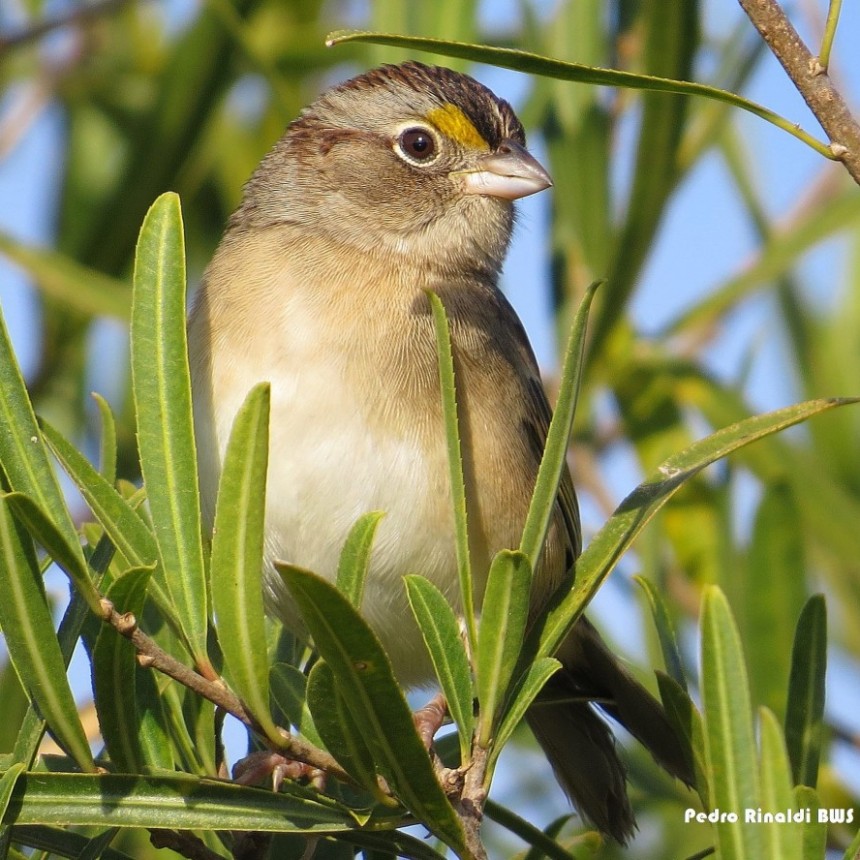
[(581, 749), (596, 673), (580, 745)]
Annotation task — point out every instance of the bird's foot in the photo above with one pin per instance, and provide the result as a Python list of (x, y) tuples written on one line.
[(266, 766), (428, 720)]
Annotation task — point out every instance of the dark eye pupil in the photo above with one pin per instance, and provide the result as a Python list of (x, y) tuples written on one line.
[(417, 143)]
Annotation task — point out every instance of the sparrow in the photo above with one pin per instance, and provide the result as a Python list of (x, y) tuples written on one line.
[(400, 181)]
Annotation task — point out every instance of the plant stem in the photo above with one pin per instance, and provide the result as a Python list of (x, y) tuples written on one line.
[(811, 79), (150, 655)]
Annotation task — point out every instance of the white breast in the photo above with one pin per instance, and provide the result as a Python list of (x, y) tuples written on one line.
[(328, 465)]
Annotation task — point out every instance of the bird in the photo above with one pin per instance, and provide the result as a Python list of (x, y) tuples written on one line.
[(397, 182)]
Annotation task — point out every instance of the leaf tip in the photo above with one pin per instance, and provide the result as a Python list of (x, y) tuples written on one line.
[(337, 37)]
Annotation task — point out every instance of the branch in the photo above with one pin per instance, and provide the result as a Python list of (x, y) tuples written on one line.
[(811, 79), (152, 656)]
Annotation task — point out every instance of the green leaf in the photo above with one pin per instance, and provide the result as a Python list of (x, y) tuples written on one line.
[(15, 706), (162, 396), (441, 633), (97, 847), (130, 726), (523, 61), (355, 557), (7, 785), (543, 842), (665, 631), (804, 710), (448, 387), (689, 727), (814, 832), (121, 522), (107, 445), (236, 564), (500, 635), (23, 455), (189, 756), (774, 592), (288, 688), (526, 691), (729, 739), (65, 843), (391, 843), (367, 684), (28, 630), (67, 556), (609, 544), (341, 735), (782, 840), (32, 728), (853, 850), (554, 460), (181, 801)]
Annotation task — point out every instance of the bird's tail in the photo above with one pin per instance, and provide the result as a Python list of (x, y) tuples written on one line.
[(580, 745)]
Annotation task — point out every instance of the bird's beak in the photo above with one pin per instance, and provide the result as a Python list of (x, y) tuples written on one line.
[(509, 172)]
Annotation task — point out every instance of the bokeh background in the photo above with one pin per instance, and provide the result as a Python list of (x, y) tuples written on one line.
[(731, 250)]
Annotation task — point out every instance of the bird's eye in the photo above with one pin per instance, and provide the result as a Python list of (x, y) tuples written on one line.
[(417, 144)]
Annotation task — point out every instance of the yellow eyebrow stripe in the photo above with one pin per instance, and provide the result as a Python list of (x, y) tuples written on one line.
[(453, 123)]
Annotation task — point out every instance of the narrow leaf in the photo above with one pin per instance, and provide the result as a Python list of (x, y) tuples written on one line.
[(689, 727), (812, 226), (774, 592), (126, 721), (609, 544), (97, 848), (162, 397), (441, 634), (288, 689), (782, 839), (67, 556), (181, 801), (62, 842), (7, 785), (25, 619), (544, 843), (804, 710), (23, 456), (236, 565), (554, 460), (390, 843), (340, 733), (729, 738), (852, 852), (526, 691), (500, 636), (665, 632), (107, 444), (522, 61), (455, 463), (355, 557), (121, 522), (367, 684), (814, 831)]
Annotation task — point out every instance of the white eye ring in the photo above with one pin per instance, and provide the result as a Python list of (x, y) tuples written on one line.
[(417, 144)]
